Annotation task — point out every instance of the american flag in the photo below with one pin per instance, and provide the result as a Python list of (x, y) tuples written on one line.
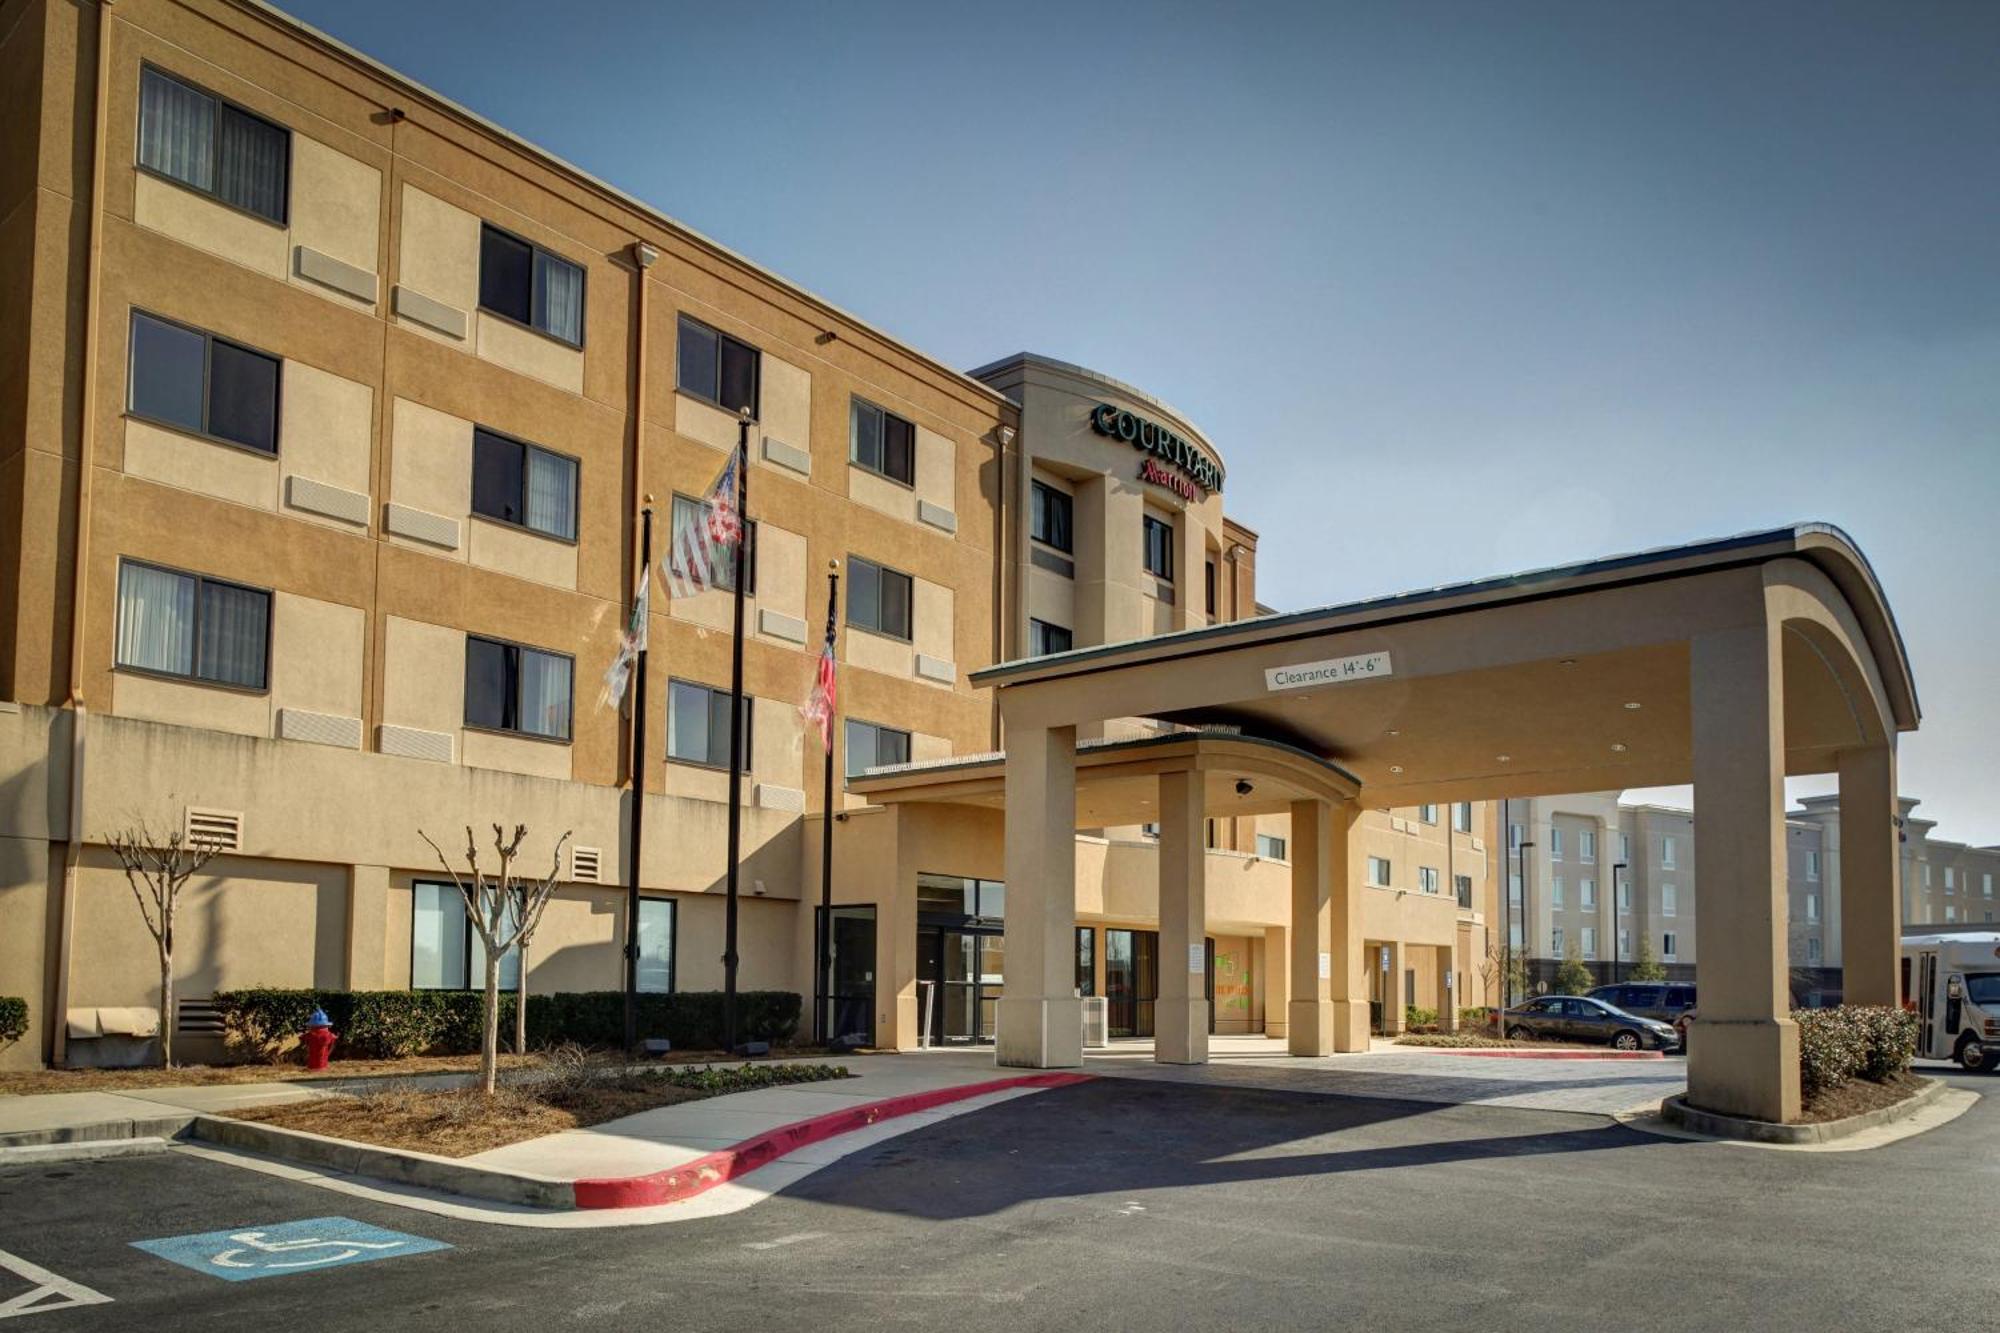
[(705, 537), (819, 706), (630, 644)]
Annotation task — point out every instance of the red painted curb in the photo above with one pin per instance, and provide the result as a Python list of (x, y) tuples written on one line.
[(726, 1164), (1492, 1053)]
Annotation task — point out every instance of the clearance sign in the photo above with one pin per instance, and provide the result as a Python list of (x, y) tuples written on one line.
[(1173, 463)]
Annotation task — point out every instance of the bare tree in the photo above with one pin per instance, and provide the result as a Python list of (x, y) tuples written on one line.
[(158, 867), (505, 910)]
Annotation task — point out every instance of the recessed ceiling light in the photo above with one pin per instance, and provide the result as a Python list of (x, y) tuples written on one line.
[(1618, 746), (1394, 732), (1633, 707), (1504, 758), (1395, 768), (1569, 661)]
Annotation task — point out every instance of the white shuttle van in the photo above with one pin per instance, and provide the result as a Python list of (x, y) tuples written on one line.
[(1951, 981)]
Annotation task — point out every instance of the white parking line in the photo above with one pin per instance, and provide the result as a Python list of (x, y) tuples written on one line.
[(49, 1292)]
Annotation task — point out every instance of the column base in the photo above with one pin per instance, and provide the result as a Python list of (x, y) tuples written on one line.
[(1350, 1025), (1310, 1027), (1180, 1032), (1039, 1032), (1745, 1067)]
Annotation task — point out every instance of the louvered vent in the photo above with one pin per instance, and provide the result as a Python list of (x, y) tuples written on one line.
[(220, 829), (197, 1018), (585, 865)]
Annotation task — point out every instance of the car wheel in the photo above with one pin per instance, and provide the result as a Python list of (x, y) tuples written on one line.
[(1519, 1034), (1972, 1054), (1627, 1040)]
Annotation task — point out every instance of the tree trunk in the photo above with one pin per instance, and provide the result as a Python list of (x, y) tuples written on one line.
[(489, 1030), (166, 1009), (521, 1003)]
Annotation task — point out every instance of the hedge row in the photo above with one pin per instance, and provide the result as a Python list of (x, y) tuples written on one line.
[(1853, 1041), (13, 1018), (387, 1025)]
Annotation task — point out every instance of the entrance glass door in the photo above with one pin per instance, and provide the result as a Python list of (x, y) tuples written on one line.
[(1131, 980), (850, 994), (963, 966)]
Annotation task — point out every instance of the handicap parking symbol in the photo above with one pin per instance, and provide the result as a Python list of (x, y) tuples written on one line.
[(281, 1248)]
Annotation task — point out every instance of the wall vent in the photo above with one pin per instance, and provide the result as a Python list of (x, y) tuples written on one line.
[(197, 1018), (586, 865), (220, 829)]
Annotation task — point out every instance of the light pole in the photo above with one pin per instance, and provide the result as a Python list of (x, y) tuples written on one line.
[(1617, 932), (1521, 859)]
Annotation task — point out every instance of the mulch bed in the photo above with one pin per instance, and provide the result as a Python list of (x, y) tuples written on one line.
[(1859, 1096)]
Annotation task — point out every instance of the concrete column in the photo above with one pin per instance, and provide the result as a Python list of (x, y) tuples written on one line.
[(1449, 999), (1392, 988), (1349, 889), (1309, 998), (1180, 1018), (1743, 1052), (1870, 880), (1041, 1020), (1277, 978)]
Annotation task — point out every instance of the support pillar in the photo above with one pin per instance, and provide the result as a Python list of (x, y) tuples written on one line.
[(1277, 978), (1040, 1017), (1393, 997), (1743, 1050), (1448, 997), (1870, 875), (1180, 1018), (1309, 1002)]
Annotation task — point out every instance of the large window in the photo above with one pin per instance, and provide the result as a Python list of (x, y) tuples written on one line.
[(529, 285), (1208, 587), (1589, 934), (717, 368), (698, 725), (954, 896), (1586, 845), (1427, 879), (1461, 817), (509, 687), (209, 145), (878, 598), (446, 953), (1086, 960), (1669, 947), (523, 484), (1427, 814), (1378, 871), (1555, 842), (1667, 852), (1159, 548), (1462, 885), (657, 918), (1271, 848), (1556, 891), (1669, 900), (198, 382), (1044, 638), (870, 745), (1051, 517), (882, 442), (721, 556), (1587, 891), (187, 625)]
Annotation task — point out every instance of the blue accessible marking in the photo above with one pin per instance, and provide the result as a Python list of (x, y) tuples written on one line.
[(286, 1247)]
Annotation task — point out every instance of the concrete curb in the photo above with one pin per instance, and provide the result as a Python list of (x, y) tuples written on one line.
[(101, 1131), (1494, 1053), (85, 1150), (397, 1165), (1676, 1111)]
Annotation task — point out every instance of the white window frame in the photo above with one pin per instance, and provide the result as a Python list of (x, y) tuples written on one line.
[(1380, 872), (1669, 942)]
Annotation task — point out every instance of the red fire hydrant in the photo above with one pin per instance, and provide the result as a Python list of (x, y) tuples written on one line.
[(318, 1039)]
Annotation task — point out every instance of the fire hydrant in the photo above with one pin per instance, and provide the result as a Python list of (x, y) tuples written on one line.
[(318, 1039)]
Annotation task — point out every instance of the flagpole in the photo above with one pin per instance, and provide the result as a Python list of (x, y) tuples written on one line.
[(823, 936), (736, 737), (638, 793)]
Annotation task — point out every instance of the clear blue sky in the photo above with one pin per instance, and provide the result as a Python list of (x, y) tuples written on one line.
[(1456, 289)]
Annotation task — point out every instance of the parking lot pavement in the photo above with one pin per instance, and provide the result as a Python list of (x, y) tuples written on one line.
[(1113, 1204)]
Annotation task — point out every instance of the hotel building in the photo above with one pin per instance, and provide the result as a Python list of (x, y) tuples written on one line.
[(330, 414)]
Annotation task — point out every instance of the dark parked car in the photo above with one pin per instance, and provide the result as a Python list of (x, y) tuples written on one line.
[(1667, 1001), (1576, 1018)]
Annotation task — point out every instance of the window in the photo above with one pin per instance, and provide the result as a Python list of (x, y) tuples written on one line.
[(1812, 865), (1625, 848), (1624, 943), (1668, 899), (1462, 884), (1044, 638), (882, 442), (1812, 907), (1667, 852), (1514, 889), (1427, 878), (656, 944), (512, 688), (1378, 872), (954, 896), (1514, 935), (717, 368), (1586, 845), (698, 726), (1556, 891), (524, 484), (1270, 848), (1986, 886), (1461, 817), (1586, 890), (1624, 897), (878, 599), (1208, 587), (720, 555), (1668, 947), (871, 746), (1927, 874), (520, 281), (1051, 517), (1950, 880), (1159, 548), (198, 382), (1556, 942), (1555, 843), (1208, 835), (1149, 830), (213, 147), (1590, 942), (1950, 912), (1812, 949), (1515, 836), (1086, 961), (189, 625), (446, 953), (1427, 813)]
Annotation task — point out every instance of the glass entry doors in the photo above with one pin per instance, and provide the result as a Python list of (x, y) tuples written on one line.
[(1131, 980), (850, 994), (961, 948)]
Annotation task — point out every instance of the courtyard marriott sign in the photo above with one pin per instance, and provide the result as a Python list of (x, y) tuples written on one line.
[(1336, 671), (1197, 469)]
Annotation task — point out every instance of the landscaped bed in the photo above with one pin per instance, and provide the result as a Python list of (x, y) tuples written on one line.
[(561, 1094), (1860, 1096), (1467, 1041)]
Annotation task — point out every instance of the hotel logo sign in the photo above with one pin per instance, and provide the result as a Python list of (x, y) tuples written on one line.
[(1336, 671), (1192, 470)]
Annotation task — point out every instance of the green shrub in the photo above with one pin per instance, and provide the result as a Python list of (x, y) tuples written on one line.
[(264, 1023), (1414, 1017), (13, 1018), (1475, 1016), (1848, 1042)]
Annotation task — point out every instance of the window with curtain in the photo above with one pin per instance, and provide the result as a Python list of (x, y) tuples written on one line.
[(717, 368), (1159, 548), (878, 599), (509, 687), (196, 381), (1044, 638), (656, 944), (523, 484), (446, 953), (521, 281), (870, 745), (187, 625), (211, 146), (1051, 517), (698, 725), (882, 442), (721, 560)]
